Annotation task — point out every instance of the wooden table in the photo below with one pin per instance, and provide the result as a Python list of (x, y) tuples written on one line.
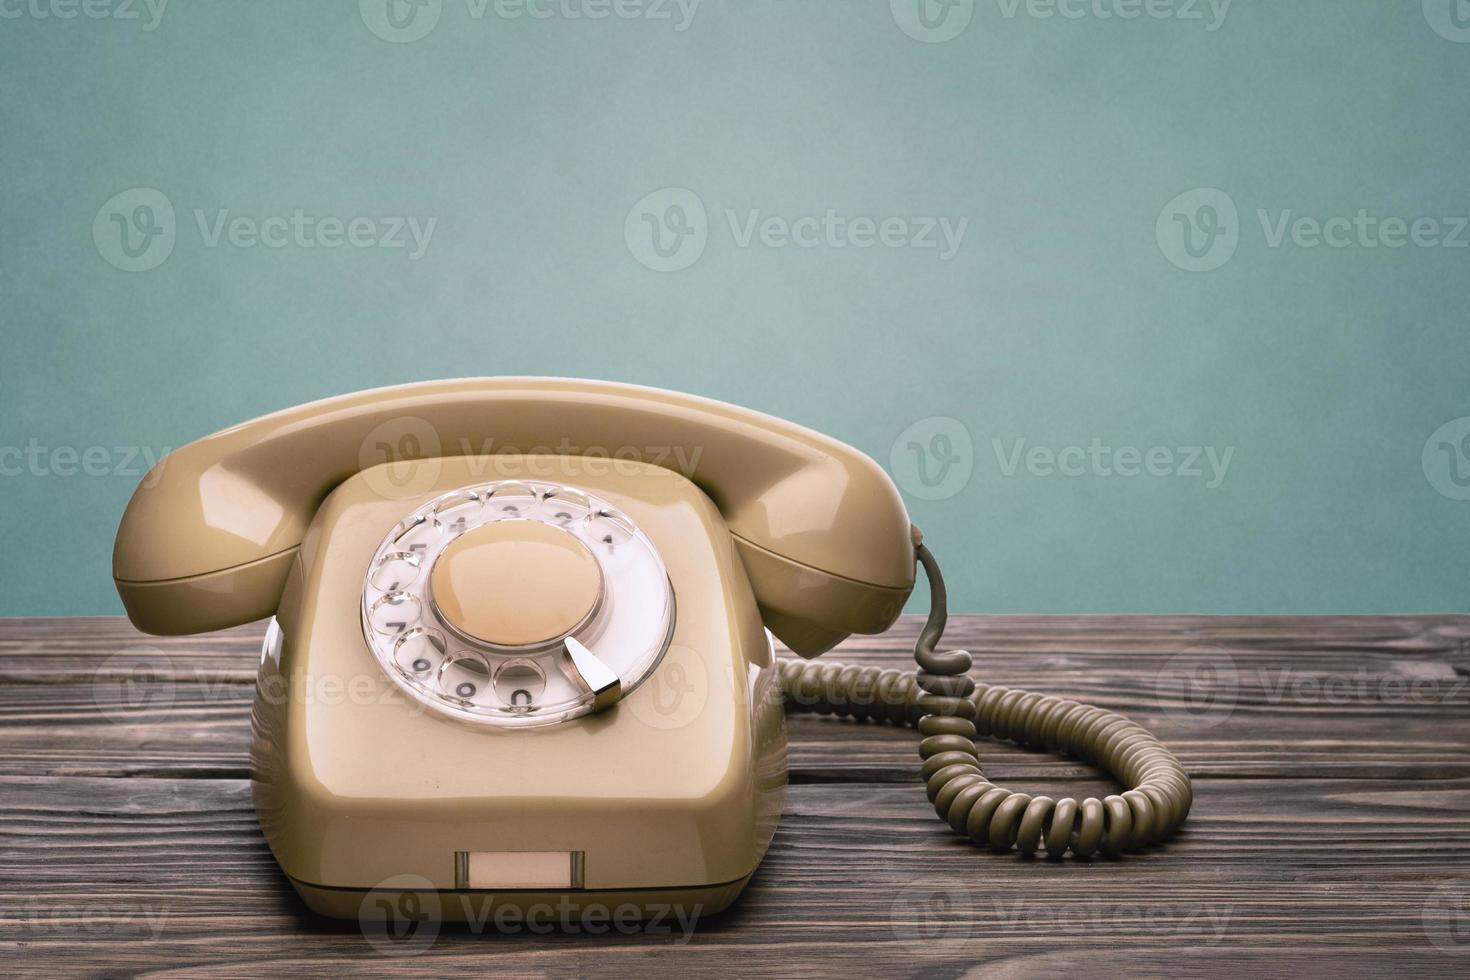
[(1331, 760)]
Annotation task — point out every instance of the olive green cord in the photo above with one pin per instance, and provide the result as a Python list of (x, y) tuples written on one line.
[(950, 709)]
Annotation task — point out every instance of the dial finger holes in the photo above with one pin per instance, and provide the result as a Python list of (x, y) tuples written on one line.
[(565, 507), (416, 536), (395, 571), (416, 618), (394, 613), (420, 653), (607, 531), (520, 684), (511, 500), (456, 513), (465, 679)]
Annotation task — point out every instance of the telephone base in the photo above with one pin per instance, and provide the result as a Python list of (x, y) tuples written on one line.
[(584, 910), (668, 795)]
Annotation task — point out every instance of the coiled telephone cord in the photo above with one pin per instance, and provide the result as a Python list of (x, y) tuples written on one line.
[(950, 709)]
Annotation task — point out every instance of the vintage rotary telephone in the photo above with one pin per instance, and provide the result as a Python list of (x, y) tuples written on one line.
[(520, 644)]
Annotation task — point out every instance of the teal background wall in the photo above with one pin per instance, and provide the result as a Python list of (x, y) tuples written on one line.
[(1089, 320)]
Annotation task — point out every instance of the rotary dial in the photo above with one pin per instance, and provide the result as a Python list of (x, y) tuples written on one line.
[(517, 603)]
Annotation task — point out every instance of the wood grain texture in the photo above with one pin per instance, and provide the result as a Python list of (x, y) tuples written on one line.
[(1331, 759)]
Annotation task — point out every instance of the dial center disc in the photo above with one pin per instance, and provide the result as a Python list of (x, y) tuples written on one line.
[(516, 583)]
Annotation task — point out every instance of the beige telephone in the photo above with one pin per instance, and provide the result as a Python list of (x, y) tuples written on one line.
[(520, 646)]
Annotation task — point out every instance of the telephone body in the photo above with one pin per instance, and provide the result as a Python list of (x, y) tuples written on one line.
[(521, 646)]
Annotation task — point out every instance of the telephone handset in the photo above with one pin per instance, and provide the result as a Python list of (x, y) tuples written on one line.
[(531, 572)]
